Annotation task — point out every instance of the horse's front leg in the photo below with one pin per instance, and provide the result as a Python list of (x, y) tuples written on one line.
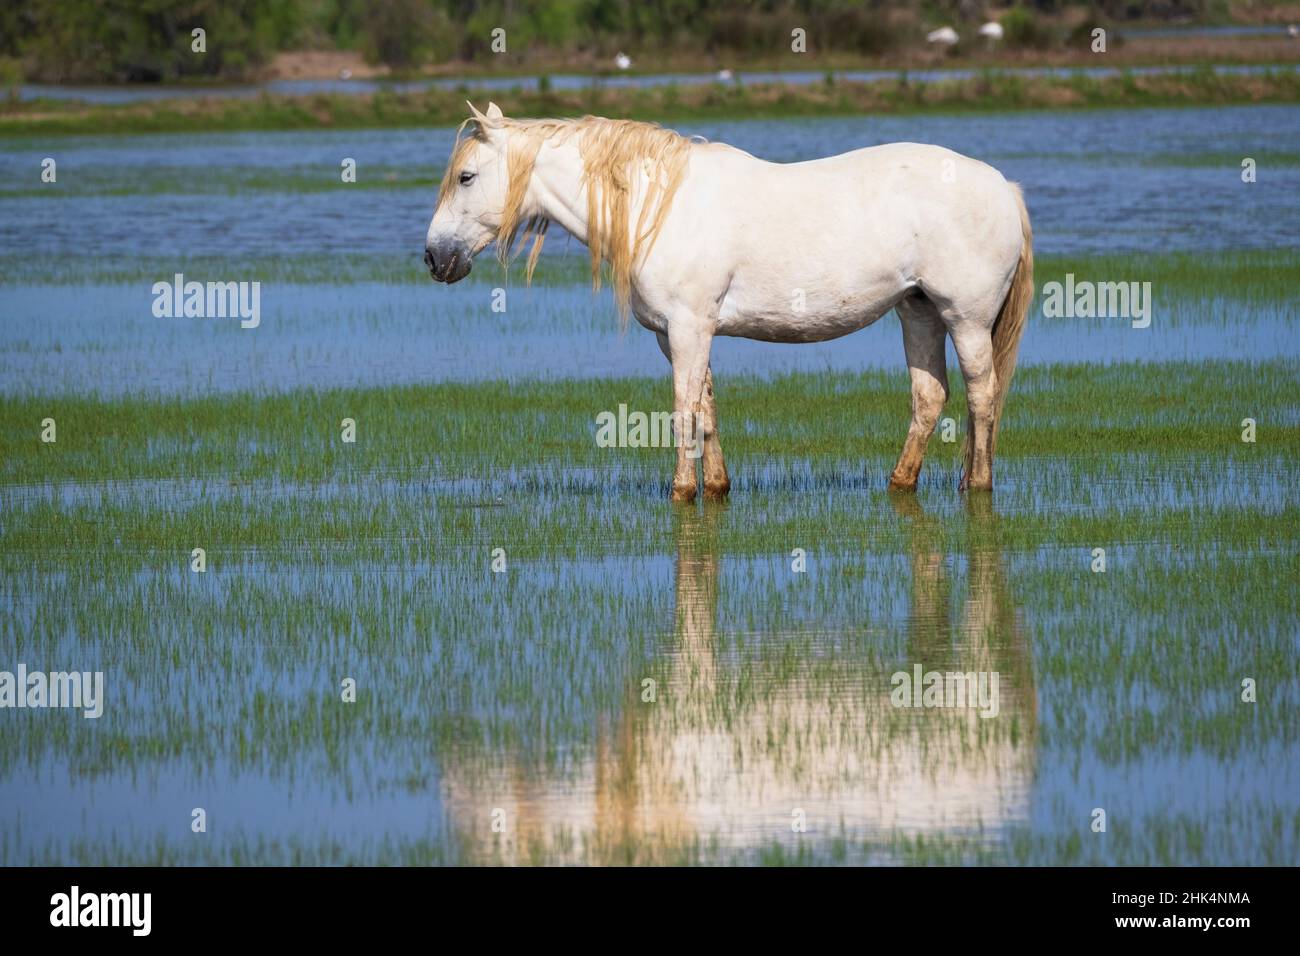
[(716, 482), (688, 349)]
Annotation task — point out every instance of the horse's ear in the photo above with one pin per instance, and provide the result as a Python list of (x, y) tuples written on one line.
[(489, 120)]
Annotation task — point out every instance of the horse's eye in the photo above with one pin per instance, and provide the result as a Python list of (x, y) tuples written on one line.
[(466, 178)]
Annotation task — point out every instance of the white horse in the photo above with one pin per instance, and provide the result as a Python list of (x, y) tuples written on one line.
[(703, 239)]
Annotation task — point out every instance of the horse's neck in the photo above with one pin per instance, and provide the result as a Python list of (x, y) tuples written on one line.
[(557, 190)]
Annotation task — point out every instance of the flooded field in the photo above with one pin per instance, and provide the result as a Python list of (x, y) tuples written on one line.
[(551, 662)]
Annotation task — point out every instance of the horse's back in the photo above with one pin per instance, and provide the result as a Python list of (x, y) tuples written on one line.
[(844, 237), (898, 203)]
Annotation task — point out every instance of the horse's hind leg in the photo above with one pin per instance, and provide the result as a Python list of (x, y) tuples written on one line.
[(974, 346), (923, 343)]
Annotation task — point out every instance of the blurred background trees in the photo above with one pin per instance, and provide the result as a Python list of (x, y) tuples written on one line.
[(149, 40)]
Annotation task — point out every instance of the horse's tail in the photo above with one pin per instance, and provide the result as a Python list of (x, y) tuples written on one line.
[(1009, 326)]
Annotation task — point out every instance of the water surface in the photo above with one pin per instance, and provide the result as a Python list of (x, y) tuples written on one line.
[(524, 692)]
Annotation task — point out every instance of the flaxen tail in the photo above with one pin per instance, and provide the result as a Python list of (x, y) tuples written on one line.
[(1009, 326)]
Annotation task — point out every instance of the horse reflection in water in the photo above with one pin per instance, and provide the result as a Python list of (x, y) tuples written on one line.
[(736, 754)]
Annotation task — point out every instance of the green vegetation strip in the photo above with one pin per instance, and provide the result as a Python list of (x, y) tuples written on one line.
[(989, 91), (450, 465)]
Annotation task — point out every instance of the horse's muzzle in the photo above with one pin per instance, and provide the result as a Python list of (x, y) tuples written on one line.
[(448, 261)]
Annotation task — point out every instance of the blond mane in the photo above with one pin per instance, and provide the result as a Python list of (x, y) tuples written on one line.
[(613, 153)]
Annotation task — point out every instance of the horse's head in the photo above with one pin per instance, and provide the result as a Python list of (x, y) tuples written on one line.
[(471, 202)]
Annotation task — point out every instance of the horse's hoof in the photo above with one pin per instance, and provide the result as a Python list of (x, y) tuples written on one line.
[(717, 491), (896, 485), (683, 493)]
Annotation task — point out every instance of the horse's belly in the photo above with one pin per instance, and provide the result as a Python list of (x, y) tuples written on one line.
[(796, 326)]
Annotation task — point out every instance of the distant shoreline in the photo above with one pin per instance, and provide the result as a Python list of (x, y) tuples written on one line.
[(1127, 51), (1130, 46), (991, 91)]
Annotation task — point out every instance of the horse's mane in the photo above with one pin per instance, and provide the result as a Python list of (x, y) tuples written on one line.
[(613, 153)]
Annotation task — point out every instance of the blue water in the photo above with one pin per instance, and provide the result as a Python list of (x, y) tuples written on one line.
[(105, 339), (1103, 181), (1096, 182)]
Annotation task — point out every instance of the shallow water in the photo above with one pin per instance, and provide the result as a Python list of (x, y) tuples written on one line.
[(524, 691), (1095, 182), (104, 339)]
